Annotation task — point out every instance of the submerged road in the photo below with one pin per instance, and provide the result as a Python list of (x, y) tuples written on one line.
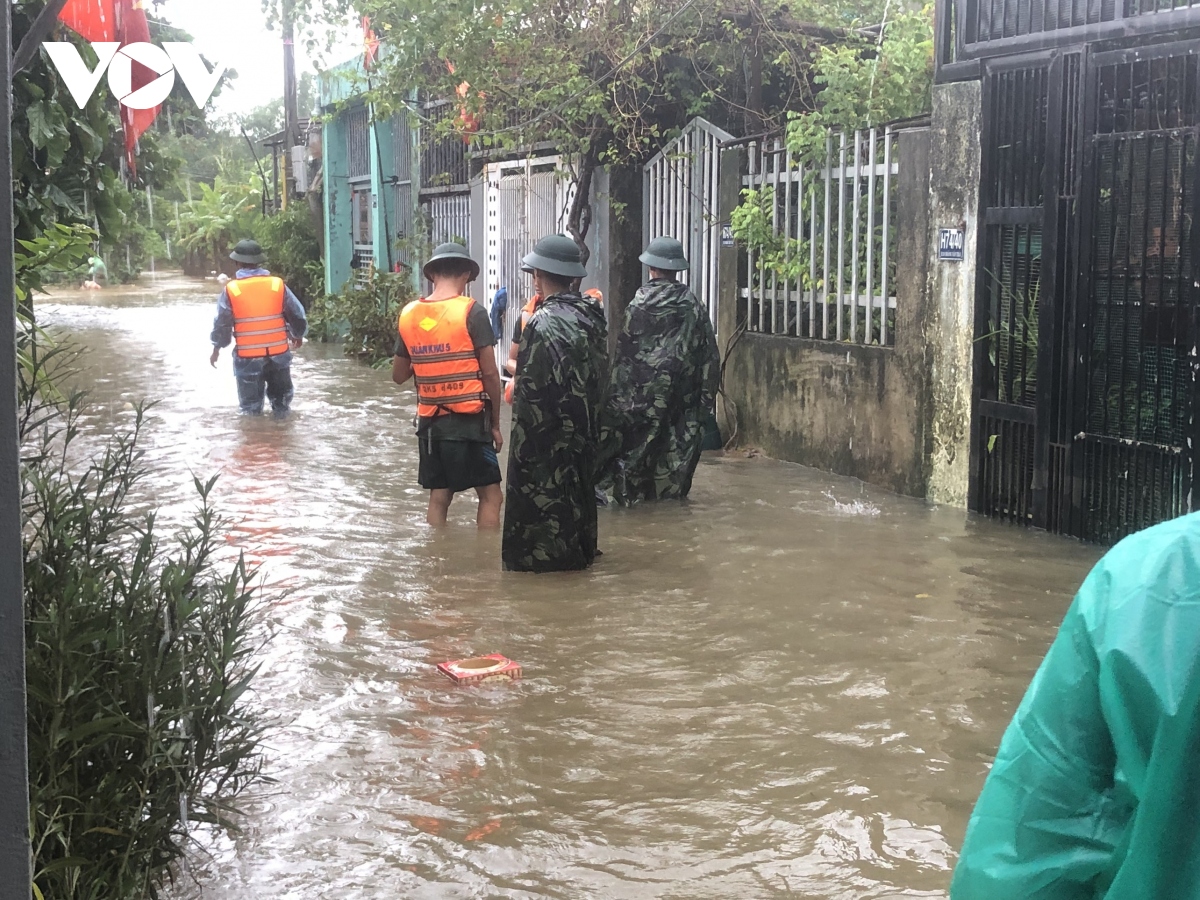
[(790, 686)]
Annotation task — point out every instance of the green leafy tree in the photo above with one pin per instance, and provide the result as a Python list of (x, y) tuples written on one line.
[(606, 83), (218, 217), (862, 81)]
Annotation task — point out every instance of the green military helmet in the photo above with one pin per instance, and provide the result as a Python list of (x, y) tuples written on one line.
[(451, 250), (665, 254), (556, 254), (248, 252)]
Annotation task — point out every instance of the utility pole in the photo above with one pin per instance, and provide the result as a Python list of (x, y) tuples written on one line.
[(15, 860), (290, 118)]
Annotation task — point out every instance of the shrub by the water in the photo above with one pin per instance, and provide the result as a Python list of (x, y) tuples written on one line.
[(289, 239), (140, 649), (367, 313)]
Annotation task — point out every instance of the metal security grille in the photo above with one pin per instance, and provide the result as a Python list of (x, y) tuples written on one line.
[(679, 194), (970, 31), (448, 218), (1009, 291), (358, 143), (1085, 411), (1139, 382), (831, 272), (444, 159)]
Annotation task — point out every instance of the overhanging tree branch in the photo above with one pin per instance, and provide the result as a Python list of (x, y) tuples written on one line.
[(38, 32)]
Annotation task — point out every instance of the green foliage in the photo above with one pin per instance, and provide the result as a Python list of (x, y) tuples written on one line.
[(139, 656), (67, 162), (64, 158), (218, 218), (752, 225), (61, 249), (1012, 341), (367, 313), (289, 239), (864, 84)]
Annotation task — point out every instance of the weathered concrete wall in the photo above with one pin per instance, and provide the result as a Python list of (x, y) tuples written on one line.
[(856, 410), (949, 329)]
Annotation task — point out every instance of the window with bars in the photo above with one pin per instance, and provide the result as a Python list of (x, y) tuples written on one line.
[(358, 143)]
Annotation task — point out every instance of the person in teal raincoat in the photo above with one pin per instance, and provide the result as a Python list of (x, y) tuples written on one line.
[(1095, 792)]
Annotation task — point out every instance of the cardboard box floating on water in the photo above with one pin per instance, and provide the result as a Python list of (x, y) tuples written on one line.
[(477, 669)]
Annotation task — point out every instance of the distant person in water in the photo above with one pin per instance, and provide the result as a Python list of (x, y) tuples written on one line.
[(261, 314), (96, 269)]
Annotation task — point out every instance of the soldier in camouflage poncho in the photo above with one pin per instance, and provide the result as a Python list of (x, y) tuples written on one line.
[(663, 386), (550, 511)]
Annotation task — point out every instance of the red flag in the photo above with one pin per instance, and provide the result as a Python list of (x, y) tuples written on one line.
[(124, 21), (370, 44), (132, 28), (93, 20)]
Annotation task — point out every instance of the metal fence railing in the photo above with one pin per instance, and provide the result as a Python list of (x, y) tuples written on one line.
[(827, 269), (679, 200)]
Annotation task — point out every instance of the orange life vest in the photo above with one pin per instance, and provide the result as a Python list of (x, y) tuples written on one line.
[(258, 324), (527, 311), (444, 363)]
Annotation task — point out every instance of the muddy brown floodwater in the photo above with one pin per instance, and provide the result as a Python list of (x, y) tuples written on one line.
[(790, 686)]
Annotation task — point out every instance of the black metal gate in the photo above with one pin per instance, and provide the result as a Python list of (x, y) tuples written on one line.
[(1087, 302)]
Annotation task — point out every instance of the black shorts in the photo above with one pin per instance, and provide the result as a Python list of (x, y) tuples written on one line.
[(457, 465)]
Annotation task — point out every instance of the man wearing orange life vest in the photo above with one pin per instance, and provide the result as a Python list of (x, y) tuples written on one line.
[(260, 313), (445, 343)]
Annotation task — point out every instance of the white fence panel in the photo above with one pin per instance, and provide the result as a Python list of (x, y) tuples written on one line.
[(680, 187), (831, 272)]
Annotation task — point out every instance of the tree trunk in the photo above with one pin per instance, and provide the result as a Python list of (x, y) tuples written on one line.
[(579, 218)]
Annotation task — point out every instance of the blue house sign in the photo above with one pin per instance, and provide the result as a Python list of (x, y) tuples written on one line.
[(950, 244)]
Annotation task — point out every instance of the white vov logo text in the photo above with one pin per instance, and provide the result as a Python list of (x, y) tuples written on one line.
[(173, 57)]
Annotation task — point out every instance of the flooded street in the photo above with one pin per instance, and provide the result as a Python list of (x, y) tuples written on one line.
[(790, 686)]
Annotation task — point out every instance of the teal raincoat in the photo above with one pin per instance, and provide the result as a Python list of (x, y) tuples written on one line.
[(1095, 792)]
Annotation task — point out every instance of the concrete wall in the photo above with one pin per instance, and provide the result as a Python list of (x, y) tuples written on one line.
[(855, 410), (950, 326)]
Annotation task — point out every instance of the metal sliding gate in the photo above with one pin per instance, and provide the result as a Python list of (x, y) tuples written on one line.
[(679, 200), (1087, 297)]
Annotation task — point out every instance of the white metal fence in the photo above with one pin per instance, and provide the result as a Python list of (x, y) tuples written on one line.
[(829, 269), (680, 187)]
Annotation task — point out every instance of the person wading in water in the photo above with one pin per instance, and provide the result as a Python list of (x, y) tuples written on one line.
[(663, 386), (263, 316), (445, 342), (550, 516)]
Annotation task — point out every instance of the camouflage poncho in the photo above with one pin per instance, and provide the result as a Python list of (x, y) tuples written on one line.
[(662, 390), (550, 504)]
